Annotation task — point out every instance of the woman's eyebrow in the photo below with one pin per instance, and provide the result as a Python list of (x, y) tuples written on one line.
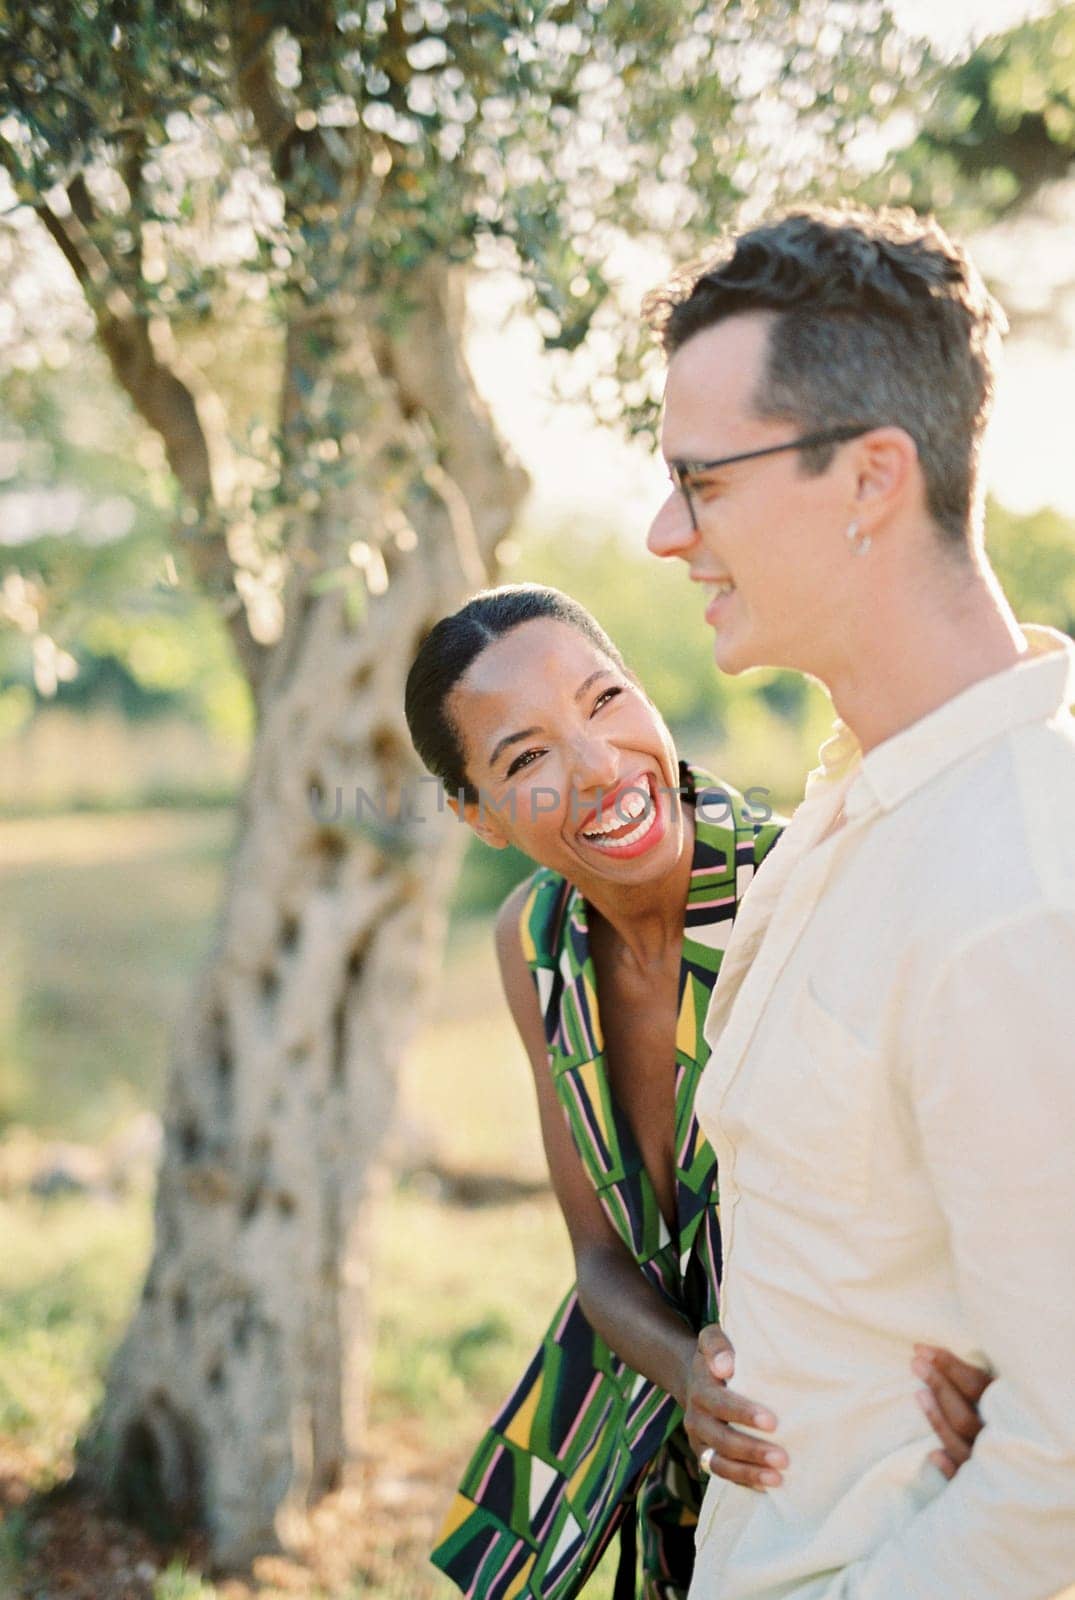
[(528, 733), (602, 672), (510, 739)]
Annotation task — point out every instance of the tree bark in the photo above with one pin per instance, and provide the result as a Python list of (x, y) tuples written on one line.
[(238, 1392), (167, 401)]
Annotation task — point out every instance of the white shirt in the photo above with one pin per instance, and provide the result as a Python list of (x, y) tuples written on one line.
[(891, 1099)]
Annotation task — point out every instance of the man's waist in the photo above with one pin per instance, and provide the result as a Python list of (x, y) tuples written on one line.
[(870, 1413), (834, 1507), (798, 1320)]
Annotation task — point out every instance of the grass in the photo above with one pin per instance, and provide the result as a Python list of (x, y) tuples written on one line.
[(68, 760), (176, 1582), (103, 921), (67, 1272), (108, 916), (13, 1546)]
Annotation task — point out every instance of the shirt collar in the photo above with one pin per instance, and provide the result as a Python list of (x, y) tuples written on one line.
[(1039, 686)]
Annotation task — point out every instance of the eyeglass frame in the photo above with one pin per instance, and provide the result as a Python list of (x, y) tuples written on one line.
[(682, 470)]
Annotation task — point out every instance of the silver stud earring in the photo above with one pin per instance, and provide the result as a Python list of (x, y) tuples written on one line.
[(859, 542)]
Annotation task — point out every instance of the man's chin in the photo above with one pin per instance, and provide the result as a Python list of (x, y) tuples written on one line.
[(732, 656)]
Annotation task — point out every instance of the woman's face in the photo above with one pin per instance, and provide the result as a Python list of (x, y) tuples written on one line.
[(572, 763)]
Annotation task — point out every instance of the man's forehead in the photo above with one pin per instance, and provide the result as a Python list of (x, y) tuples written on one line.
[(710, 387)]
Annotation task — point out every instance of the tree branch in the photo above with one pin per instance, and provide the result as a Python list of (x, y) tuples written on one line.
[(131, 169), (68, 249), (168, 405), (251, 38), (427, 363), (322, 149)]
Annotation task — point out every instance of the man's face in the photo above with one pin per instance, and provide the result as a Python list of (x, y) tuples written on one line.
[(769, 543)]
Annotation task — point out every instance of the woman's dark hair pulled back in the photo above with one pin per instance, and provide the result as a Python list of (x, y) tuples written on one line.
[(454, 643)]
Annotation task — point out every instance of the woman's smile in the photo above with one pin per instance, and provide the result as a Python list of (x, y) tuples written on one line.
[(629, 822)]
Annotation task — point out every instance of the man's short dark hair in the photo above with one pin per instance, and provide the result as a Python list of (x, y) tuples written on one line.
[(879, 318)]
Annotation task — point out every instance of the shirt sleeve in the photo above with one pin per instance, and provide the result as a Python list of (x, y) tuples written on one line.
[(993, 1089)]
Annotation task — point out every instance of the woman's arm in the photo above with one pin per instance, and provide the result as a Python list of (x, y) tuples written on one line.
[(618, 1302)]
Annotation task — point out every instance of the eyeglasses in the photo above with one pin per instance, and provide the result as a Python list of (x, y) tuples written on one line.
[(683, 471)]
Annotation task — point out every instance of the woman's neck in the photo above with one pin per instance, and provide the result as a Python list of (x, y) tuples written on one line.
[(646, 921)]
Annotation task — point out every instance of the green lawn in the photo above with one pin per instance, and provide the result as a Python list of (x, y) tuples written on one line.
[(67, 1272), (102, 922)]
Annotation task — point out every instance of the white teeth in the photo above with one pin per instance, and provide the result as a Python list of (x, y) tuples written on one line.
[(607, 827), (722, 586), (632, 804), (628, 838)]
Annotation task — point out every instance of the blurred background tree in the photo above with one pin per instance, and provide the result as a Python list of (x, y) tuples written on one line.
[(1002, 124), (273, 472)]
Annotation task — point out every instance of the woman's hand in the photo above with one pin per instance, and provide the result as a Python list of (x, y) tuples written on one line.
[(715, 1415), (711, 1410), (950, 1401)]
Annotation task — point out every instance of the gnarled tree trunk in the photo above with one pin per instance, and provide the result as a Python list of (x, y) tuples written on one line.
[(239, 1387)]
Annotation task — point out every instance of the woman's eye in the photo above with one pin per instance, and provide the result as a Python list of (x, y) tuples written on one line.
[(607, 694), (522, 761), (527, 756)]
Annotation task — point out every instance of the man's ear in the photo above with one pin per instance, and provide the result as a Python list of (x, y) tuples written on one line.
[(480, 820), (887, 470)]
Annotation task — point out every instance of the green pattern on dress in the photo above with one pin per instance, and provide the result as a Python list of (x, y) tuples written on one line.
[(582, 1435)]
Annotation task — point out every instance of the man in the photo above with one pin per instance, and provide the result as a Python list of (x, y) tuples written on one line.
[(891, 1095)]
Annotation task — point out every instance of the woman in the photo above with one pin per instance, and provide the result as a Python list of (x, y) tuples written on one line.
[(522, 707)]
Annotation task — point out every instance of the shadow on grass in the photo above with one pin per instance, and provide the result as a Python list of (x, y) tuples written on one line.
[(64, 1541)]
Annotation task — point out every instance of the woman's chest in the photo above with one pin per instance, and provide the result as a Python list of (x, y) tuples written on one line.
[(639, 1028)]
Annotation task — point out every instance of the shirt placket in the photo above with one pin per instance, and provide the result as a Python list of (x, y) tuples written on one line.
[(805, 883)]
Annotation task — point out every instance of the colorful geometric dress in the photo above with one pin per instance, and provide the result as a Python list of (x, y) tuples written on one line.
[(582, 1439)]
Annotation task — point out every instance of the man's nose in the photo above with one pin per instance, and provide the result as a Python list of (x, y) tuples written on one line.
[(671, 532)]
